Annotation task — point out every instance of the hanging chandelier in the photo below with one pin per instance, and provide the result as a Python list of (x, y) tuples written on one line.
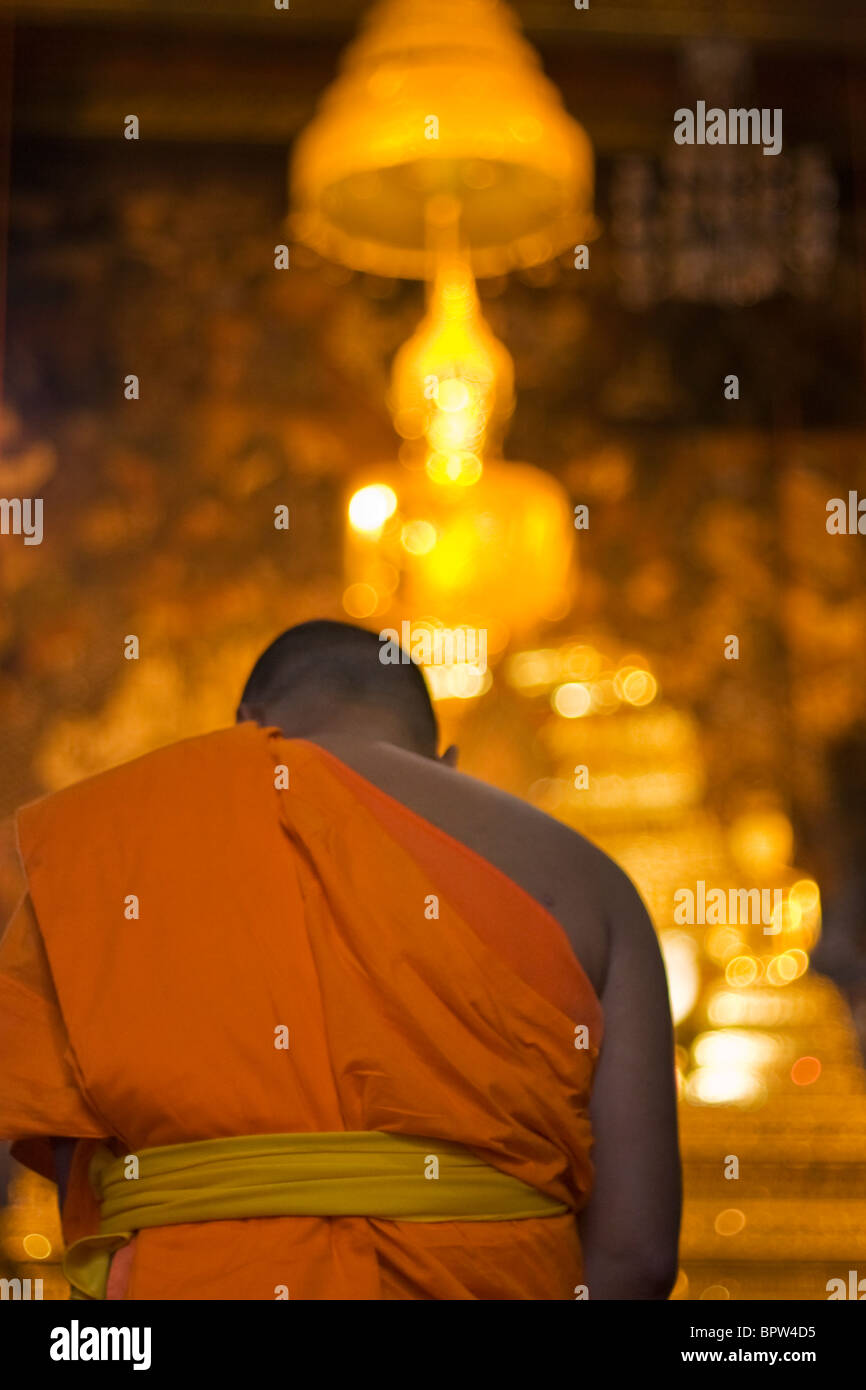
[(441, 99), (443, 153)]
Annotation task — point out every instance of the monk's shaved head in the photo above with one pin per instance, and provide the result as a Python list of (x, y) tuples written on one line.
[(323, 673)]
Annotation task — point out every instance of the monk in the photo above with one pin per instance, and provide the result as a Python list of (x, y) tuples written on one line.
[(298, 1010)]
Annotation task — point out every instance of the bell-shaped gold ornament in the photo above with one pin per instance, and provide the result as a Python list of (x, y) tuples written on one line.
[(441, 102)]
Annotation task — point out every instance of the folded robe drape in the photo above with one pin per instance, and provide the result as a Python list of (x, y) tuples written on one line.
[(305, 958)]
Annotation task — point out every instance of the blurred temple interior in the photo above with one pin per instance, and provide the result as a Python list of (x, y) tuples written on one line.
[(590, 491)]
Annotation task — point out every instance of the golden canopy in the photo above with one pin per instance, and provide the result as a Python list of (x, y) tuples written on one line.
[(441, 102)]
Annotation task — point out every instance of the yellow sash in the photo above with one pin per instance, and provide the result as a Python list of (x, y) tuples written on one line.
[(395, 1177)]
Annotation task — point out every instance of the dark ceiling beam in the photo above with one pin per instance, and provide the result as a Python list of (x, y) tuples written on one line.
[(829, 24), (220, 88), (236, 88)]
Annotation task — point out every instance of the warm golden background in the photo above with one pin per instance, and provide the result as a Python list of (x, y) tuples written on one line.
[(707, 516)]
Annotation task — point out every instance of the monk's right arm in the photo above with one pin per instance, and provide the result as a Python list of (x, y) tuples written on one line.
[(630, 1227)]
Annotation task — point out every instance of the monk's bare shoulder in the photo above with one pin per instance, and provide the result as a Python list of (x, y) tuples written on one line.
[(572, 878)]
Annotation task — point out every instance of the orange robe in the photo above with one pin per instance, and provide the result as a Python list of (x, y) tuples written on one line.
[(423, 991)]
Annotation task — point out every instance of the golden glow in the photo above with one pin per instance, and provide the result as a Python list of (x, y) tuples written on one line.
[(805, 1071), (723, 942), (758, 1008), (453, 380), (36, 1247), (637, 687), (742, 971), (530, 670), (604, 696), (680, 952), (384, 577), (578, 663), (418, 537), (548, 794), (572, 701), (681, 1287), (622, 793), (462, 469), (732, 1049), (360, 600), (453, 395), (791, 915), (729, 1222), (729, 1085), (806, 894), (790, 965), (761, 841), (371, 506), (496, 555), (370, 173), (461, 681)]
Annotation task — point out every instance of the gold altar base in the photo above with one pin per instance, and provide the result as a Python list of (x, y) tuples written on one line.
[(795, 1218)]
